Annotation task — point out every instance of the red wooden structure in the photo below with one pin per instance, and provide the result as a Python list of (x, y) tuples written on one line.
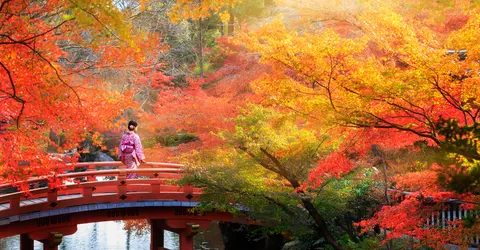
[(47, 214)]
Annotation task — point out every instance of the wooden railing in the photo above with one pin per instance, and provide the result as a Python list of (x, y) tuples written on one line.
[(452, 211), (155, 181)]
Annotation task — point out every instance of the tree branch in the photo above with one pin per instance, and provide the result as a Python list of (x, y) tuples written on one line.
[(96, 18), (32, 37), (14, 94), (4, 3), (280, 167), (51, 66), (259, 161)]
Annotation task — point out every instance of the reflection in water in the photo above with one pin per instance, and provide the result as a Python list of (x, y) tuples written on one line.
[(111, 236), (129, 232), (93, 237)]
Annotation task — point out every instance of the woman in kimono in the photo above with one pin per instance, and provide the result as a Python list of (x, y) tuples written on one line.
[(131, 151)]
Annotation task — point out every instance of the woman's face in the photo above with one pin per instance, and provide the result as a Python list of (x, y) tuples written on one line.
[(136, 129)]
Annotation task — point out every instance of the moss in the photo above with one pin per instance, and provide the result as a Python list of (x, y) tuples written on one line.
[(175, 140), (169, 140)]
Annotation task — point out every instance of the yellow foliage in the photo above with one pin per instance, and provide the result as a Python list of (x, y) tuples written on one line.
[(195, 10)]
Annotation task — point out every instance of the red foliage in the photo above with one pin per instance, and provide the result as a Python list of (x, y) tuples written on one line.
[(452, 22), (335, 165), (209, 105), (44, 90)]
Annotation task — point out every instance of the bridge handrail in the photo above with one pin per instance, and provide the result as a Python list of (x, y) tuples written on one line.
[(91, 166), (69, 187), (110, 190), (115, 172), (447, 200), (118, 163)]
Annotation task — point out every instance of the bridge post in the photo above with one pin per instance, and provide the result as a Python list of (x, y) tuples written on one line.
[(52, 238), (52, 197), (15, 203), (91, 178), (156, 234), (26, 243), (122, 184), (53, 241), (186, 240)]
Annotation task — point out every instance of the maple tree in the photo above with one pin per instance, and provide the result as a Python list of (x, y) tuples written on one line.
[(263, 167), (394, 74), (371, 96), (50, 55), (197, 11), (209, 107), (206, 106), (380, 83)]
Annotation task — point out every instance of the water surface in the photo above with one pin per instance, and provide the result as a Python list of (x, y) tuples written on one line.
[(111, 236)]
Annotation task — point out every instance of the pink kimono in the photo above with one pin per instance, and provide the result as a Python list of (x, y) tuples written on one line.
[(131, 160)]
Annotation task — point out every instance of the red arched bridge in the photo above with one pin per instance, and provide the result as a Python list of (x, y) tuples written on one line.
[(47, 214)]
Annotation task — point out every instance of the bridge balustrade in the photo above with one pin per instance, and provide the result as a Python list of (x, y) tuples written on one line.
[(155, 182)]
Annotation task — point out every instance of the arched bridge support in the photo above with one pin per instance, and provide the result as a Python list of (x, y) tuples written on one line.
[(157, 240), (186, 229), (51, 239), (26, 243), (43, 212)]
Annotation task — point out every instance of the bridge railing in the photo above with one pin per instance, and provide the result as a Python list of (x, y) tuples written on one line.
[(450, 211), (94, 166), (156, 182)]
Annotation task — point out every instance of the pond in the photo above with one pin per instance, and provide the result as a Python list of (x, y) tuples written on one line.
[(111, 236)]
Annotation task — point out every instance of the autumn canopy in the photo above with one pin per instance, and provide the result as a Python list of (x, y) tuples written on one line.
[(353, 122)]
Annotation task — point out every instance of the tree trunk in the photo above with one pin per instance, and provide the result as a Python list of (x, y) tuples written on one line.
[(322, 226), (317, 217), (389, 244), (231, 23), (200, 47), (312, 211), (380, 159)]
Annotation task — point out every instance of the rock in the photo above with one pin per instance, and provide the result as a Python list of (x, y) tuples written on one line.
[(292, 245), (100, 156)]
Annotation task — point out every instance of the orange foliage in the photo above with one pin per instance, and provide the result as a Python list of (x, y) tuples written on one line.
[(44, 89), (425, 182), (209, 105)]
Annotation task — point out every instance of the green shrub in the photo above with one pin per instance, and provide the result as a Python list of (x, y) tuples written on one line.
[(169, 140)]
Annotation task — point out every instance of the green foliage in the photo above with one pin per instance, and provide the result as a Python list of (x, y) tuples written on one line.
[(211, 37), (169, 140), (175, 140), (217, 59), (460, 179), (459, 139), (282, 134), (459, 156), (348, 200), (86, 13), (244, 174), (207, 67), (369, 243), (249, 8), (232, 175), (149, 142), (469, 220)]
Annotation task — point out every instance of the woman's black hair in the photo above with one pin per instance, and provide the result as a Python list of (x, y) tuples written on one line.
[(132, 125)]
